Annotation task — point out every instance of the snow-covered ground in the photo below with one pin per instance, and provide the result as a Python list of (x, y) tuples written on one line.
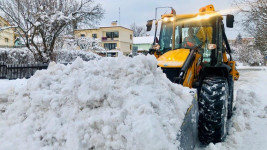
[(112, 103), (118, 103), (248, 68)]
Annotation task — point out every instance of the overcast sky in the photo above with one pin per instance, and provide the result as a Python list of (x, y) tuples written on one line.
[(139, 11)]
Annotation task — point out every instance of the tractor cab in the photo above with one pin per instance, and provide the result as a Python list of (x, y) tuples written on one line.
[(188, 36)]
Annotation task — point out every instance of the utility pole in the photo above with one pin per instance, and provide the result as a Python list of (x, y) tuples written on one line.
[(119, 16)]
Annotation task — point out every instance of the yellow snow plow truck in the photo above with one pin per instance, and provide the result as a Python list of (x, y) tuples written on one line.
[(193, 50)]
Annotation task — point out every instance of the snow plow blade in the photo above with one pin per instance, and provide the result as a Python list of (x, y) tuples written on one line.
[(188, 133)]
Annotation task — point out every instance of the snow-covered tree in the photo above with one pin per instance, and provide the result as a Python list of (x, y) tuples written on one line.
[(247, 54), (254, 20), (82, 43), (24, 56), (4, 25), (138, 30), (41, 22), (238, 40), (6, 28)]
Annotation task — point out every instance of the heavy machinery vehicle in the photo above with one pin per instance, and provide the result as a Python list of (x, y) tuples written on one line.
[(193, 50)]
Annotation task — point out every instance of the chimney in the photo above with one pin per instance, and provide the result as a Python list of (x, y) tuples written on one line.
[(114, 23)]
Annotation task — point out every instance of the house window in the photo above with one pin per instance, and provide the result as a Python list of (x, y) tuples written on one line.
[(110, 46), (116, 34), (135, 48), (6, 40), (112, 34), (94, 36), (131, 37), (82, 35)]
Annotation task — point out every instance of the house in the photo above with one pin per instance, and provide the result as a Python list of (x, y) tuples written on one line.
[(143, 44), (112, 38), (7, 35)]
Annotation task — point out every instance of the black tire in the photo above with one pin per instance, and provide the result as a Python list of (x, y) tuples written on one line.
[(231, 97), (213, 104)]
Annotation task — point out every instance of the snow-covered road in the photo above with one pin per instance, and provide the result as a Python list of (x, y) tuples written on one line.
[(249, 124)]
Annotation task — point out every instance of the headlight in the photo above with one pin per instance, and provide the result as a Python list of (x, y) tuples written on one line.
[(165, 19), (202, 17), (199, 17), (206, 16)]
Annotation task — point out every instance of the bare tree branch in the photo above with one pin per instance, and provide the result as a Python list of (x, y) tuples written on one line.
[(47, 20), (254, 20), (138, 30)]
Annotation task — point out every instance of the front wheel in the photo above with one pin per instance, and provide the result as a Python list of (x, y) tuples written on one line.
[(213, 110)]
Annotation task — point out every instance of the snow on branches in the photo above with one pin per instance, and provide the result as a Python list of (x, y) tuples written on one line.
[(24, 56), (83, 43), (138, 30), (46, 20), (245, 51), (247, 55), (254, 20)]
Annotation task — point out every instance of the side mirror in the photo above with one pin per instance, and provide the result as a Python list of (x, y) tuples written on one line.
[(230, 19), (149, 25)]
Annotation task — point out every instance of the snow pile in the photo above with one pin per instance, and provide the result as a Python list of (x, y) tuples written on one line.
[(112, 103), (248, 124), (7, 86)]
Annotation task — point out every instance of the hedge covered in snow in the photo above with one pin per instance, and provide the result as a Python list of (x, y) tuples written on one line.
[(24, 56)]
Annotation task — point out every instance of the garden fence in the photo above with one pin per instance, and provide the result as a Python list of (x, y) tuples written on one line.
[(19, 71)]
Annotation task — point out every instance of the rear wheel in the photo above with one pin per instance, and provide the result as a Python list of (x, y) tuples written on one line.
[(213, 110)]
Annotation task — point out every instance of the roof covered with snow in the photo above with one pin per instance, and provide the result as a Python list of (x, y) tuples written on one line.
[(143, 40)]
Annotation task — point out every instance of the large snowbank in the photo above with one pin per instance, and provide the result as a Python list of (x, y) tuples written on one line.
[(112, 103)]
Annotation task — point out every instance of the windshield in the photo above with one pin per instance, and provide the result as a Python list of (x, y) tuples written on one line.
[(165, 39), (188, 35)]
